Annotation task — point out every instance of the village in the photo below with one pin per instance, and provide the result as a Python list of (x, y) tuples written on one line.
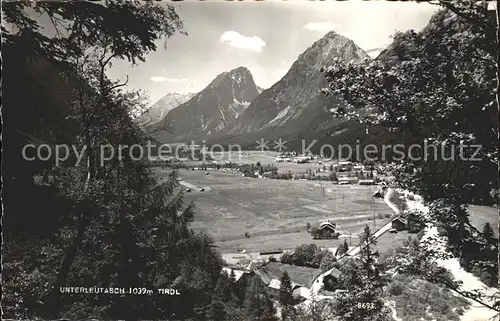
[(345, 197), (268, 268)]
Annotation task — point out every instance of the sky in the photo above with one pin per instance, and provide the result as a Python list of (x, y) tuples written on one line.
[(265, 37)]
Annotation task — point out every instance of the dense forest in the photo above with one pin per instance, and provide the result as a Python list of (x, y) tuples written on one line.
[(99, 226)]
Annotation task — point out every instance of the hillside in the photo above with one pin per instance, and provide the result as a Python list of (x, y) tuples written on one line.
[(294, 102)]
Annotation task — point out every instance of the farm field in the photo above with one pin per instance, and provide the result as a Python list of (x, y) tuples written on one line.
[(274, 213)]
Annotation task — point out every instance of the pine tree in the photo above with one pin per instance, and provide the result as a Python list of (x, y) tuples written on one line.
[(328, 261), (257, 303), (488, 232), (216, 312), (234, 287), (286, 297), (363, 279), (345, 246)]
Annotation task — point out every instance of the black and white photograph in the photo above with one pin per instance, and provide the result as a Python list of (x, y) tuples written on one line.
[(281, 160)]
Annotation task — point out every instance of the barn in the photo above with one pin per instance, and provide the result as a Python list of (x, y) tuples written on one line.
[(399, 223), (327, 225), (331, 279)]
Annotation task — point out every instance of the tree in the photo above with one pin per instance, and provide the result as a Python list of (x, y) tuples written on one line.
[(345, 246), (314, 311), (286, 297), (269, 312), (257, 304), (363, 280), (328, 261), (415, 222), (315, 233), (234, 286), (488, 231), (225, 289), (438, 120), (304, 255), (439, 102), (216, 311), (135, 230)]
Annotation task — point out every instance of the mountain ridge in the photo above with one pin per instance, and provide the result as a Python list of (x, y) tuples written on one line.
[(162, 107), (294, 104), (212, 109), (293, 107)]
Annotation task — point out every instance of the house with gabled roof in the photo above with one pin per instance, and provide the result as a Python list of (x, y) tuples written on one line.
[(300, 277), (399, 223)]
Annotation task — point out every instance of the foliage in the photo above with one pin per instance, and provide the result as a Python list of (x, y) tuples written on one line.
[(258, 305), (415, 221), (315, 311), (363, 281), (103, 225), (344, 248), (286, 299), (416, 299), (328, 261), (438, 86), (308, 255), (473, 247), (398, 200)]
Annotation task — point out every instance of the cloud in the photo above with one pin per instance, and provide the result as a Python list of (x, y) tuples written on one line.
[(237, 40), (320, 26), (167, 79)]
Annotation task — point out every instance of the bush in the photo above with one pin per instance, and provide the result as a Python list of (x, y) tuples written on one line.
[(308, 255), (395, 288), (415, 222), (327, 261), (287, 258)]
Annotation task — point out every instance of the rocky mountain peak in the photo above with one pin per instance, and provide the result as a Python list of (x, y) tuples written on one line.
[(215, 107), (294, 102), (236, 84)]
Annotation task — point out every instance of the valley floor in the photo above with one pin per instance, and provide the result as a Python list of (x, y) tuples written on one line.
[(275, 213)]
